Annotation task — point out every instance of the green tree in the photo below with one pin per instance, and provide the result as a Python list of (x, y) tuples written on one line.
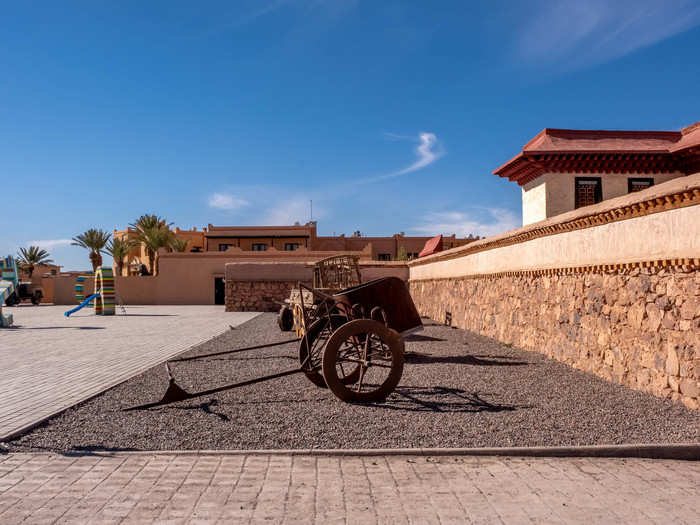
[(28, 258), (154, 239), (179, 245), (402, 255), (148, 221), (119, 250), (94, 240), (153, 232)]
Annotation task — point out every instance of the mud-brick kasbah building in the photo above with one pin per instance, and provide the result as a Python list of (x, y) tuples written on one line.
[(300, 238)]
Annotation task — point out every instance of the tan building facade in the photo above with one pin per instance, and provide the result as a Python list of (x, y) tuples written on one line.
[(256, 239), (560, 170)]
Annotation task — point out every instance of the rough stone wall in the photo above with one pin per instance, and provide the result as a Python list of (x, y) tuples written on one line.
[(257, 296), (639, 327)]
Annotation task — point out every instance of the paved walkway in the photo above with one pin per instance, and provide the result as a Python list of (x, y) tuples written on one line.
[(50, 362), (146, 488)]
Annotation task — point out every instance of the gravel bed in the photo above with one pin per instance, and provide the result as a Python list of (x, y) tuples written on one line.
[(458, 390)]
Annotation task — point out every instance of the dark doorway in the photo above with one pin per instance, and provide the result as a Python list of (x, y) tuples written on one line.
[(219, 291)]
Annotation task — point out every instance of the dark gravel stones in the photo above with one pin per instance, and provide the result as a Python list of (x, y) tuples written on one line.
[(458, 390)]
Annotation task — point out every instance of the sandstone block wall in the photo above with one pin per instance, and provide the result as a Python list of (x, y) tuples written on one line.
[(261, 286), (638, 326), (257, 296)]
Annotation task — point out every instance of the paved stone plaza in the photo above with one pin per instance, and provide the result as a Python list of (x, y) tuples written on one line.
[(172, 488), (50, 362)]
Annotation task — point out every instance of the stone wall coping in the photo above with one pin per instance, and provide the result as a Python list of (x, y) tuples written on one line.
[(676, 193)]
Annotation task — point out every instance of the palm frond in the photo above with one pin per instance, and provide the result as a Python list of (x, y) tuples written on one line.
[(179, 245), (33, 255)]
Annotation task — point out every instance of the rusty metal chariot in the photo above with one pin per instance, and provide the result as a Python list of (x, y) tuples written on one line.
[(350, 341), (330, 275)]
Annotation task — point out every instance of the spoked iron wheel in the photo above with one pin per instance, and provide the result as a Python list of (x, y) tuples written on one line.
[(285, 319), (373, 348), (316, 338)]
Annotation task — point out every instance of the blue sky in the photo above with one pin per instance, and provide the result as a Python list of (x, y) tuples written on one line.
[(390, 115)]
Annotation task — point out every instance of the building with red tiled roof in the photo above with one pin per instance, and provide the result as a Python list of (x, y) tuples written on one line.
[(563, 169)]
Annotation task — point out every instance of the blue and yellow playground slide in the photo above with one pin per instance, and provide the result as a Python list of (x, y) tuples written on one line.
[(104, 297)]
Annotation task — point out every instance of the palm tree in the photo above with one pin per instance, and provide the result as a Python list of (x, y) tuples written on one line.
[(179, 245), (148, 221), (119, 250), (32, 256), (95, 241), (153, 232), (153, 239)]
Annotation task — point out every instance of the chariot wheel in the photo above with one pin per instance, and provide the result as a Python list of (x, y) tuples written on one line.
[(285, 318), (367, 347), (316, 337)]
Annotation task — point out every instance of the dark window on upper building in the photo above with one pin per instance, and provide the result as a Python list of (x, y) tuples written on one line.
[(224, 247), (53, 272), (259, 247), (589, 190), (290, 246), (384, 257), (639, 184)]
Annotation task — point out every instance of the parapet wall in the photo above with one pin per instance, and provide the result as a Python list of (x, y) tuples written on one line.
[(612, 289)]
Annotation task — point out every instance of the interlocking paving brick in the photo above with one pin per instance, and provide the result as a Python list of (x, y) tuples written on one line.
[(172, 488), (51, 362)]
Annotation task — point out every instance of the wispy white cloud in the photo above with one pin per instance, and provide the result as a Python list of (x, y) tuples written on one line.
[(428, 151), (49, 243), (244, 13), (226, 201), (289, 211), (483, 222), (265, 9), (577, 34)]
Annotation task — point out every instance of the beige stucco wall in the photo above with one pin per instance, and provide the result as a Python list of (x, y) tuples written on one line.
[(665, 235), (303, 271), (534, 195), (554, 193), (189, 278)]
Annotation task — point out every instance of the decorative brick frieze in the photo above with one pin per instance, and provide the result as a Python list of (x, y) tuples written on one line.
[(637, 325), (685, 265)]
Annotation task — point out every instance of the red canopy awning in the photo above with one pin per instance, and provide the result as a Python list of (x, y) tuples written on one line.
[(432, 246)]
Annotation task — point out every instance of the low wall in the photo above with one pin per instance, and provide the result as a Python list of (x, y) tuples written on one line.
[(612, 289), (189, 278), (261, 286)]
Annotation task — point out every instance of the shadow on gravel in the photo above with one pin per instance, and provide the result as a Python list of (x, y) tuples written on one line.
[(442, 399), (147, 315), (425, 359), (421, 338), (94, 449), (257, 358), (206, 407), (61, 327)]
